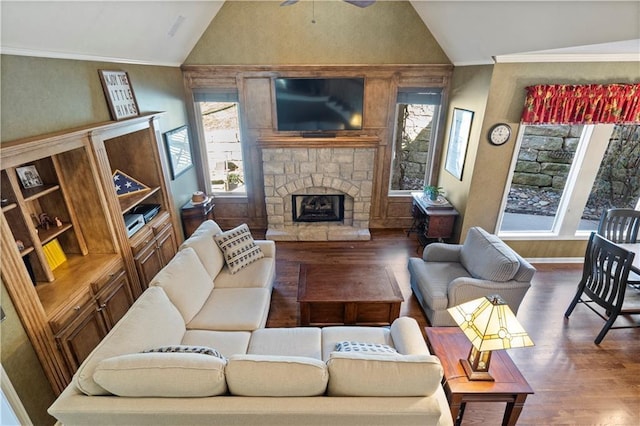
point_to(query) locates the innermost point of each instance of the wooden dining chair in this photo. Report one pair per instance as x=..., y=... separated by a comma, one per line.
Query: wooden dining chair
x=621, y=225
x=604, y=280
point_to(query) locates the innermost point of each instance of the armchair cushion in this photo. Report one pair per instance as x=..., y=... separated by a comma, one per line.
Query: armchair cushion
x=487, y=257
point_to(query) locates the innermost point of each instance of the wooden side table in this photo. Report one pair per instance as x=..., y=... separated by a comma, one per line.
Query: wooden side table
x=431, y=222
x=194, y=214
x=450, y=344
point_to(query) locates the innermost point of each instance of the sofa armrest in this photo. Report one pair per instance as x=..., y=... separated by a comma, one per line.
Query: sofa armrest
x=268, y=247
x=464, y=289
x=525, y=271
x=442, y=252
x=407, y=337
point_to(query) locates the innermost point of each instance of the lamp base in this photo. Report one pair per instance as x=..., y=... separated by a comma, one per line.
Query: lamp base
x=475, y=375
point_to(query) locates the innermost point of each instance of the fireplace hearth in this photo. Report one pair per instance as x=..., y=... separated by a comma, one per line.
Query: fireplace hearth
x=317, y=207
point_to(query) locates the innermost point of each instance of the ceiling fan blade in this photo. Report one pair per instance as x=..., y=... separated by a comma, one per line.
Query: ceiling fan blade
x=360, y=3
x=288, y=2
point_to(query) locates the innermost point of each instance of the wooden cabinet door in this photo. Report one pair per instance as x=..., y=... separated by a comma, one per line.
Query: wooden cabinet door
x=165, y=241
x=115, y=299
x=148, y=263
x=81, y=335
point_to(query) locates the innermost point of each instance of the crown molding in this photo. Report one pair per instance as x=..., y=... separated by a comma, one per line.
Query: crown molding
x=569, y=57
x=81, y=57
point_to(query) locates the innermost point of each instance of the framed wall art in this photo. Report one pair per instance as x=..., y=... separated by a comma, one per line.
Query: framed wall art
x=29, y=176
x=179, y=150
x=458, y=141
x=119, y=93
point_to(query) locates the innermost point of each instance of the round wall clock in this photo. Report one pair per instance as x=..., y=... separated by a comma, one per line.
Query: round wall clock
x=499, y=134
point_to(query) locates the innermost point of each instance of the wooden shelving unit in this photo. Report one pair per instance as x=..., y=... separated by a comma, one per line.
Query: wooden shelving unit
x=67, y=309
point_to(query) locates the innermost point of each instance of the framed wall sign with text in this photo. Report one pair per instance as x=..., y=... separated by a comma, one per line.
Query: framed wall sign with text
x=120, y=97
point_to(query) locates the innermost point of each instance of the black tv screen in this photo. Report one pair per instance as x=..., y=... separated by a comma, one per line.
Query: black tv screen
x=319, y=104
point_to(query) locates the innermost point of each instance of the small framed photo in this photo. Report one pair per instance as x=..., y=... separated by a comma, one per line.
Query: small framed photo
x=458, y=141
x=179, y=150
x=29, y=176
x=119, y=92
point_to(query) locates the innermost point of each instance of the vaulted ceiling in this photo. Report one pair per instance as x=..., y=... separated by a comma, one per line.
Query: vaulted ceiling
x=470, y=32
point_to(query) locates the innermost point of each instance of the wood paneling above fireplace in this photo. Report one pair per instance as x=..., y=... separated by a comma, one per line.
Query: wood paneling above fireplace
x=258, y=121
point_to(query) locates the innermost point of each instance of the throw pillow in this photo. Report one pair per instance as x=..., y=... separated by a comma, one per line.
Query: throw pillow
x=204, y=350
x=376, y=348
x=238, y=247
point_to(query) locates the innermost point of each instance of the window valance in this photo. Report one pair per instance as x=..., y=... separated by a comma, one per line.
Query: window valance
x=582, y=104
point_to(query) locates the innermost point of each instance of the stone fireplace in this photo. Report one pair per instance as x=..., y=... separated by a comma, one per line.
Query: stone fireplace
x=323, y=169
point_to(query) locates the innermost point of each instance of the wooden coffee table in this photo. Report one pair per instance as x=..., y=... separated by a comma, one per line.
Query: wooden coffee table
x=450, y=344
x=332, y=294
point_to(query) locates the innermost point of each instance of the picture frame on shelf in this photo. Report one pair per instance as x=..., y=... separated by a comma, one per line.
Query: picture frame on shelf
x=119, y=93
x=458, y=141
x=179, y=150
x=29, y=176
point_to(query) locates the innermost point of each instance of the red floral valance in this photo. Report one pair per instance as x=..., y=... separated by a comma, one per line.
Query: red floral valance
x=582, y=104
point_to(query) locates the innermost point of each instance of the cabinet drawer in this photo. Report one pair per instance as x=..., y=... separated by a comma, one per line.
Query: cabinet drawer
x=109, y=276
x=71, y=312
x=160, y=223
x=142, y=240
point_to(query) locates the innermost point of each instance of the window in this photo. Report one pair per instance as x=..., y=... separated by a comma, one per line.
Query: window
x=565, y=176
x=417, y=112
x=222, y=151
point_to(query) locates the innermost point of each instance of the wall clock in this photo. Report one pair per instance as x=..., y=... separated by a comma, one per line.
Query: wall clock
x=499, y=134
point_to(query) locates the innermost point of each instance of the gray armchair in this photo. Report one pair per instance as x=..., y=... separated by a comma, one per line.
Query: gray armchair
x=450, y=274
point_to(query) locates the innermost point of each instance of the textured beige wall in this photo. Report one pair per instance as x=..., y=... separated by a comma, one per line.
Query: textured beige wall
x=41, y=95
x=263, y=32
x=469, y=90
x=504, y=104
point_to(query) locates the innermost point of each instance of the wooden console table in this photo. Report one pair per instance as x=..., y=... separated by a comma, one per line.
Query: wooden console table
x=431, y=222
x=450, y=344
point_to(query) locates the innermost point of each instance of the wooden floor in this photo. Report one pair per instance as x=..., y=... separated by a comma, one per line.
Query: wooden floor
x=575, y=381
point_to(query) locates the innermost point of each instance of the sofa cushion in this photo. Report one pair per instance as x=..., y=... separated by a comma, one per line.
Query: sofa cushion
x=226, y=342
x=487, y=257
x=189, y=349
x=162, y=375
x=233, y=309
x=260, y=273
x=186, y=282
x=362, y=347
x=270, y=375
x=360, y=374
x=238, y=247
x=293, y=341
x=201, y=241
x=152, y=321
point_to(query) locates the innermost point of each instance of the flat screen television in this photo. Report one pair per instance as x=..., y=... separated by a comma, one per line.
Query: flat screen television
x=319, y=104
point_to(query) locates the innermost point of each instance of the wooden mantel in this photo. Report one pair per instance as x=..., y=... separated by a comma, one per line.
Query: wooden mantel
x=319, y=142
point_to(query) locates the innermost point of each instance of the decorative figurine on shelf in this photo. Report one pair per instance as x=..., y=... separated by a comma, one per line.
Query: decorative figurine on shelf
x=44, y=221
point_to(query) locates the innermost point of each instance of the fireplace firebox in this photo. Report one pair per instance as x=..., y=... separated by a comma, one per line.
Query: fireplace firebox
x=318, y=207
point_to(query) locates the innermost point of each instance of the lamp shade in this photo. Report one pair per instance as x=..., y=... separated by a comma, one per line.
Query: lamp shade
x=490, y=324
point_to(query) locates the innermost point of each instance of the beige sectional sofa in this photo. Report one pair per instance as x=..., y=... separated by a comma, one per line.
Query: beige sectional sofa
x=193, y=350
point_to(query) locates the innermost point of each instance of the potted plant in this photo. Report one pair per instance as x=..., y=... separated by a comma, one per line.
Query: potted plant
x=234, y=180
x=433, y=192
